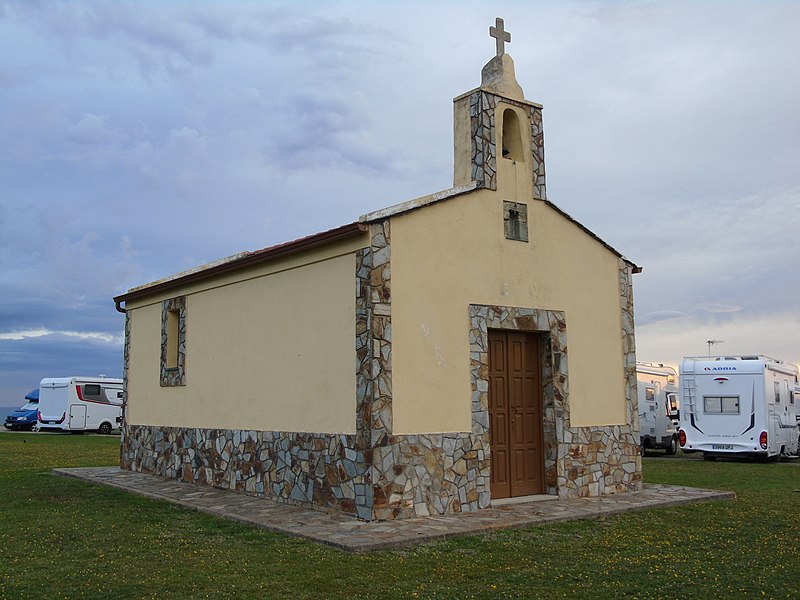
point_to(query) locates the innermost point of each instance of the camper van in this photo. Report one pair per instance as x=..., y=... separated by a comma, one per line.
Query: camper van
x=658, y=406
x=796, y=399
x=80, y=404
x=738, y=405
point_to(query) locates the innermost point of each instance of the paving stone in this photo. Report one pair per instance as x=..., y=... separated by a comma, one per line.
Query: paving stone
x=348, y=533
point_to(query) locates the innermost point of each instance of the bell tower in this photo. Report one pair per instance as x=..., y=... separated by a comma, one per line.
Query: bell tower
x=497, y=133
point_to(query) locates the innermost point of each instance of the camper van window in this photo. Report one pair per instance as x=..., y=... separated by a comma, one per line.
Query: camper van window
x=94, y=393
x=672, y=404
x=721, y=405
x=777, y=392
x=113, y=396
x=91, y=392
x=650, y=397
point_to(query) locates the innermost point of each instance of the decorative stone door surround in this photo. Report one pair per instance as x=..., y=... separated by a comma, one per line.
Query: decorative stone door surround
x=552, y=325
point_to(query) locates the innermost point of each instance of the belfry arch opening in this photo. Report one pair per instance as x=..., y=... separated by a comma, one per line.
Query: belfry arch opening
x=511, y=141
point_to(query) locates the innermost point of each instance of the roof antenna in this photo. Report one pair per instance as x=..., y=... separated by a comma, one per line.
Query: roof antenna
x=711, y=343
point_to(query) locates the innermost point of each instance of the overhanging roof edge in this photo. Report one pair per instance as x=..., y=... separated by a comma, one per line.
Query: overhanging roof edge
x=243, y=260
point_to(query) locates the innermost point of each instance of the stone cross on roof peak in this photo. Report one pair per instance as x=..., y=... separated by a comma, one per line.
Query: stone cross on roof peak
x=501, y=36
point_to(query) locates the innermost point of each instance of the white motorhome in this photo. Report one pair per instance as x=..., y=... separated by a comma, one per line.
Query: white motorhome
x=658, y=406
x=738, y=405
x=797, y=409
x=80, y=404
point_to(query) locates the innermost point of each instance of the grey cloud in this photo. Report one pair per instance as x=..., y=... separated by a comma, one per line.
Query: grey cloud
x=175, y=39
x=91, y=130
x=660, y=317
x=325, y=130
x=718, y=308
x=157, y=38
x=39, y=306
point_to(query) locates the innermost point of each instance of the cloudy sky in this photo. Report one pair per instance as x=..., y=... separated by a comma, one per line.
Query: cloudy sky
x=144, y=138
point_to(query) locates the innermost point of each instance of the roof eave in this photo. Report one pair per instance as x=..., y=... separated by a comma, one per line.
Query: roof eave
x=634, y=267
x=246, y=259
x=409, y=205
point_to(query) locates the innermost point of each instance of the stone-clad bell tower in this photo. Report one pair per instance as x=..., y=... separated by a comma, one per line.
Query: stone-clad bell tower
x=498, y=134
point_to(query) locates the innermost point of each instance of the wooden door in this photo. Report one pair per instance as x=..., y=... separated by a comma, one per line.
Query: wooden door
x=515, y=414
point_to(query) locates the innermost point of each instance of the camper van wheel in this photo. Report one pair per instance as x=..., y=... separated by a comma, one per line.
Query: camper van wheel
x=673, y=445
x=105, y=428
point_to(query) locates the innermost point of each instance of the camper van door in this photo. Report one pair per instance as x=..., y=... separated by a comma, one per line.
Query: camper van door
x=77, y=416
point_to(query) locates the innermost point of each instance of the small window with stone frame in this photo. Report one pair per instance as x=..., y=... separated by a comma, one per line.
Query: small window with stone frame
x=515, y=218
x=173, y=342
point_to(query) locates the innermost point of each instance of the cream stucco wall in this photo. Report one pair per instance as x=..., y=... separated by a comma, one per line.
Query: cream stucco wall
x=276, y=351
x=454, y=253
x=462, y=159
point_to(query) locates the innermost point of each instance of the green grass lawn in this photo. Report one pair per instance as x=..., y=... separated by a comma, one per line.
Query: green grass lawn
x=65, y=538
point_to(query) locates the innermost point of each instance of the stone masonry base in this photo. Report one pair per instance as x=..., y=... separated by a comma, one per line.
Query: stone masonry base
x=414, y=475
x=409, y=476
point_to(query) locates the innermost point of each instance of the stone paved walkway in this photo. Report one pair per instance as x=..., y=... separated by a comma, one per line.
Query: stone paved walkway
x=352, y=535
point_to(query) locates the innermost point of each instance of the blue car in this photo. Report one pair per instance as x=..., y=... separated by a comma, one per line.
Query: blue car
x=25, y=416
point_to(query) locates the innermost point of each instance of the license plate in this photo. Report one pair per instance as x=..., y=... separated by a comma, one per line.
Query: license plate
x=722, y=446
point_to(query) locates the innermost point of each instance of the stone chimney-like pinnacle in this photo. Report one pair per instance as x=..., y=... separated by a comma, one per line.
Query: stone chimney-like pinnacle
x=497, y=76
